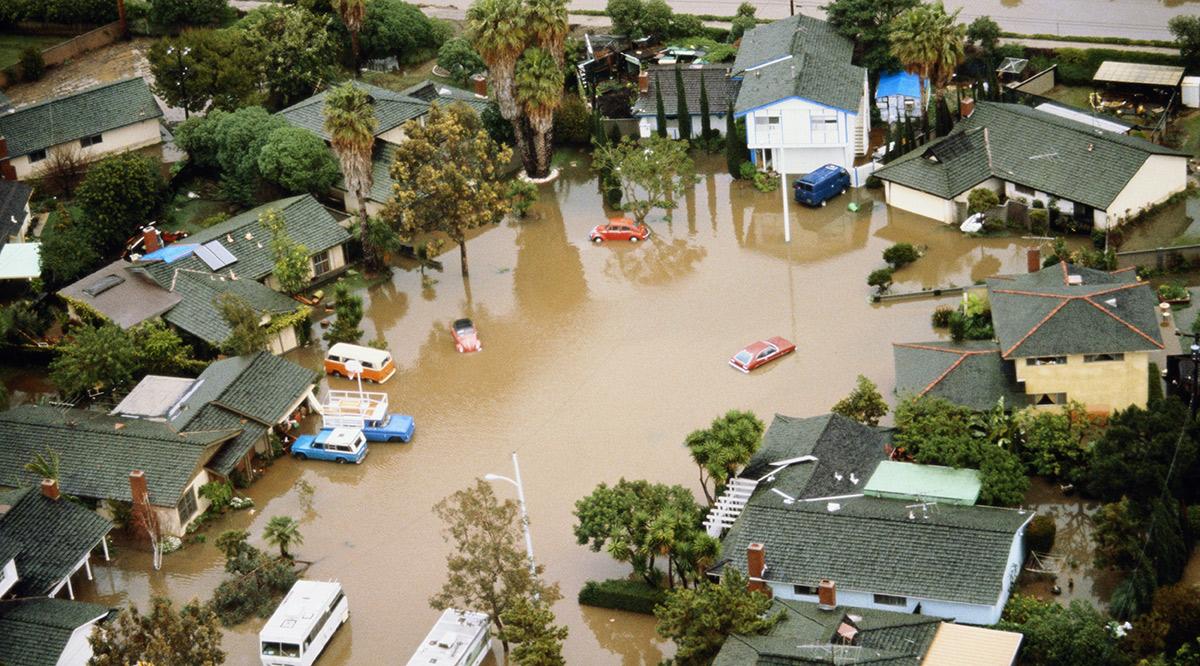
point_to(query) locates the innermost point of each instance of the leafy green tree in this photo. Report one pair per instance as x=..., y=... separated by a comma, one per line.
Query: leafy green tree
x=699, y=620
x=529, y=624
x=298, y=161
x=296, y=51
x=656, y=18
x=706, y=131
x=1056, y=443
x=864, y=404
x=683, y=116
x=448, y=178
x=159, y=349
x=1172, y=623
x=118, y=196
x=736, y=151
x=283, y=531
x=187, y=12
x=240, y=137
x=93, y=357
x=724, y=448
x=1186, y=31
x=743, y=21
x=929, y=43
x=164, y=636
x=1055, y=635
x=292, y=269
x=67, y=252
x=257, y=583
x=986, y=33
x=880, y=278
x=201, y=138
x=653, y=173
x=487, y=568
x=202, y=66
x=1138, y=449
x=458, y=57
x=246, y=334
x=394, y=28
x=660, y=113
x=867, y=23
x=900, y=255
x=499, y=129
x=625, y=16
x=348, y=308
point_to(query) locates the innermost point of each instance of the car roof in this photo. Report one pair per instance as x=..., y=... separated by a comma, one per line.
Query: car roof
x=345, y=349
x=756, y=347
x=463, y=323
x=623, y=221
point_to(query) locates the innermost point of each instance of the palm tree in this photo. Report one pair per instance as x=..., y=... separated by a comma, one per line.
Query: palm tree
x=497, y=30
x=350, y=121
x=283, y=531
x=539, y=86
x=929, y=42
x=353, y=12
x=546, y=21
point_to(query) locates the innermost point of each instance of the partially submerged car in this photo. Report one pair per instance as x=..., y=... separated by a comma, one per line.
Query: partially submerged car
x=761, y=353
x=466, y=339
x=618, y=229
x=394, y=428
x=341, y=445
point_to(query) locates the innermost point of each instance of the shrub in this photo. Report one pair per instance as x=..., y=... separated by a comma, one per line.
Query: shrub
x=764, y=182
x=32, y=65
x=523, y=195
x=1039, y=536
x=746, y=170
x=1172, y=291
x=880, y=278
x=1039, y=220
x=187, y=12
x=683, y=25
x=458, y=57
x=900, y=255
x=573, y=122
x=628, y=595
x=941, y=316
x=298, y=161
x=219, y=494
x=981, y=200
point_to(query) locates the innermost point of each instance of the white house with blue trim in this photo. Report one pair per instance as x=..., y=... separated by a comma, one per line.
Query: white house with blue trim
x=805, y=105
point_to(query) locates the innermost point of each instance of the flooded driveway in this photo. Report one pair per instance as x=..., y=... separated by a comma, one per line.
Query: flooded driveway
x=597, y=362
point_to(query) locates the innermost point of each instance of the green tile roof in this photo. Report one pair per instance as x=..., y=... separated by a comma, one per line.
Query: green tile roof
x=1029, y=147
x=52, y=536
x=910, y=481
x=197, y=311
x=818, y=69
x=36, y=631
x=791, y=36
x=392, y=109
x=69, y=118
x=382, y=158
x=806, y=634
x=717, y=85
x=950, y=553
x=840, y=445
x=970, y=373
x=1041, y=314
x=431, y=91
x=98, y=452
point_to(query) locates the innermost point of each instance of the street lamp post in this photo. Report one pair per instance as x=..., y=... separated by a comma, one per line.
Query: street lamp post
x=524, y=514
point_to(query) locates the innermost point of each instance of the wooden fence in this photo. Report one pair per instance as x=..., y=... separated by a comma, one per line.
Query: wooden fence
x=62, y=52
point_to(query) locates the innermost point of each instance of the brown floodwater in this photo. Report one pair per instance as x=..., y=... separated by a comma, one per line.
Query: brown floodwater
x=597, y=362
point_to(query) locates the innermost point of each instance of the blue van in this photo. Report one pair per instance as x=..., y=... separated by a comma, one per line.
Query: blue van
x=823, y=184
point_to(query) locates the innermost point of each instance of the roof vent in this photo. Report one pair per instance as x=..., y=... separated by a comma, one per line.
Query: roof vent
x=1074, y=280
x=1112, y=302
x=833, y=506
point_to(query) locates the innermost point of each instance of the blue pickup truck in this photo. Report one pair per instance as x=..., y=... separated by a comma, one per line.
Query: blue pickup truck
x=393, y=428
x=341, y=445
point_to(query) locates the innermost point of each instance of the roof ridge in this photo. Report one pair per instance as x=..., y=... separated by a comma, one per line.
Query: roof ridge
x=1130, y=326
x=1078, y=127
x=982, y=508
x=945, y=373
x=1036, y=326
x=77, y=93
x=961, y=352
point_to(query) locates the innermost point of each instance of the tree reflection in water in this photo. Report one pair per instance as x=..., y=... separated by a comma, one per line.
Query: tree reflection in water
x=655, y=261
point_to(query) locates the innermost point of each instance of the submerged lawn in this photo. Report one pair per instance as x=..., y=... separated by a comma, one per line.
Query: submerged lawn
x=12, y=45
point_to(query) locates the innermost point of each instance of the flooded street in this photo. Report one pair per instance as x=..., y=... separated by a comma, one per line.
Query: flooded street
x=597, y=362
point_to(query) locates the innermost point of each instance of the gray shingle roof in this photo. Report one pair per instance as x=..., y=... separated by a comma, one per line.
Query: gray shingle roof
x=1028, y=147
x=791, y=36
x=430, y=91
x=99, y=451
x=14, y=197
x=717, y=84
x=87, y=112
x=1040, y=314
x=840, y=445
x=132, y=301
x=52, y=537
x=970, y=373
x=392, y=109
x=956, y=553
x=198, y=313
x=36, y=631
x=806, y=634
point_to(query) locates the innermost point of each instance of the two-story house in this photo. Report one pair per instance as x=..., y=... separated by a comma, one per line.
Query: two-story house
x=1063, y=333
x=805, y=105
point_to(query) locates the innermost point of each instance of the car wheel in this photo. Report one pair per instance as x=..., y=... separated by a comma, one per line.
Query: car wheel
x=597, y=240
x=633, y=239
x=299, y=456
x=341, y=461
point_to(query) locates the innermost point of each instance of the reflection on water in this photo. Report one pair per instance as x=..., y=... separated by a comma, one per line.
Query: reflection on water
x=1078, y=579
x=597, y=362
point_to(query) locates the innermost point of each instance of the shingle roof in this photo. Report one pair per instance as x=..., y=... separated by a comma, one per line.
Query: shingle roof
x=868, y=544
x=14, y=197
x=717, y=85
x=430, y=91
x=1029, y=147
x=198, y=312
x=36, y=631
x=87, y=112
x=1041, y=314
x=52, y=537
x=98, y=452
x=791, y=36
x=841, y=447
x=392, y=109
x=132, y=299
x=970, y=373
x=806, y=635
x=382, y=158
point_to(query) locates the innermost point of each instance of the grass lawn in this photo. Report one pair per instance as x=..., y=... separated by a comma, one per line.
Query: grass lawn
x=407, y=76
x=1076, y=96
x=1188, y=126
x=11, y=45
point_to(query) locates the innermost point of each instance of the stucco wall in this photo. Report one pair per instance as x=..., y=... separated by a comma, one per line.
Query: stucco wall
x=1102, y=386
x=1159, y=178
x=647, y=125
x=921, y=203
x=124, y=139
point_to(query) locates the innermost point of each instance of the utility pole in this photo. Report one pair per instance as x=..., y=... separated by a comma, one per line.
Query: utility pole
x=792, y=7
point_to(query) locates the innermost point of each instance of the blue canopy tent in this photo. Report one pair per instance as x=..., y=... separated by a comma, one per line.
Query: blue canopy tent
x=896, y=94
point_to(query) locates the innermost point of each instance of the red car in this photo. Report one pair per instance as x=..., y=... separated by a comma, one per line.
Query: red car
x=620, y=229
x=761, y=353
x=465, y=338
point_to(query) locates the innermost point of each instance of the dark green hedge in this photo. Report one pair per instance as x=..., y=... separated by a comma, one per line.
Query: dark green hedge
x=1076, y=67
x=58, y=11
x=620, y=594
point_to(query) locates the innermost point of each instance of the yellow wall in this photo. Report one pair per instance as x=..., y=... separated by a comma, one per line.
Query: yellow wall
x=1103, y=386
x=120, y=140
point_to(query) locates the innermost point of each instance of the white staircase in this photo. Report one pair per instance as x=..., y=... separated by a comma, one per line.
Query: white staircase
x=729, y=505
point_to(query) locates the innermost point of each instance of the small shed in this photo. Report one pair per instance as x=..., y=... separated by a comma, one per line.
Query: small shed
x=20, y=261
x=897, y=95
x=1138, y=74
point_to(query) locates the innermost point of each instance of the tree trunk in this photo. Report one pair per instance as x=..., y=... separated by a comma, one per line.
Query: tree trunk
x=462, y=253
x=704, y=487
x=354, y=51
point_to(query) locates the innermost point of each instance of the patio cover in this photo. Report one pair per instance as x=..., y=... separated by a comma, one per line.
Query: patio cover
x=20, y=261
x=1111, y=71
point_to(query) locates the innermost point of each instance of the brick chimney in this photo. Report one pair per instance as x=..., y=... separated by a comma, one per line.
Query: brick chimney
x=50, y=489
x=644, y=81
x=479, y=85
x=150, y=239
x=756, y=566
x=1033, y=259
x=826, y=595
x=139, y=491
x=966, y=107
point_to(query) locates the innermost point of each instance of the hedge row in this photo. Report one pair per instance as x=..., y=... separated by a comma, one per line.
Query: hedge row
x=1122, y=41
x=58, y=11
x=1076, y=67
x=620, y=594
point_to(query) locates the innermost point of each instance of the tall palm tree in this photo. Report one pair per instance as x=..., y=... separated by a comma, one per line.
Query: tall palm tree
x=350, y=122
x=539, y=83
x=353, y=13
x=546, y=21
x=929, y=42
x=497, y=29
x=283, y=531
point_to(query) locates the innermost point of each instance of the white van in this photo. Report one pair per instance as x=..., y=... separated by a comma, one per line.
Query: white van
x=303, y=624
x=377, y=365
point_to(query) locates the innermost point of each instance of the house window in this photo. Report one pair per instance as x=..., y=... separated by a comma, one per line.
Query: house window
x=1047, y=360
x=37, y=156
x=187, y=505
x=804, y=589
x=1027, y=191
x=890, y=600
x=92, y=140
x=1101, y=358
x=321, y=263
x=1050, y=399
x=824, y=126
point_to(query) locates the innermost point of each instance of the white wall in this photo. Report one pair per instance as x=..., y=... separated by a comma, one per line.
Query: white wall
x=78, y=651
x=8, y=576
x=648, y=125
x=802, y=149
x=1159, y=178
x=921, y=203
x=120, y=140
x=960, y=612
x=394, y=136
x=1064, y=206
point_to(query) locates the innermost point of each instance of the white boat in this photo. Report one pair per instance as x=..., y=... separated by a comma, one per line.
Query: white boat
x=460, y=638
x=303, y=624
x=973, y=224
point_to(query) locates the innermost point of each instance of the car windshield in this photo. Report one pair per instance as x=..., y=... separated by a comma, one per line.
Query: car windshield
x=742, y=357
x=806, y=187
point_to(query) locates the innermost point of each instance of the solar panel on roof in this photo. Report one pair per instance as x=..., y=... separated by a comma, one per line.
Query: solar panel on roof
x=208, y=257
x=220, y=252
x=952, y=147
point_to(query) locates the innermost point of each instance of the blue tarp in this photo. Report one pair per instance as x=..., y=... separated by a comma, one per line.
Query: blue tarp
x=899, y=83
x=170, y=253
